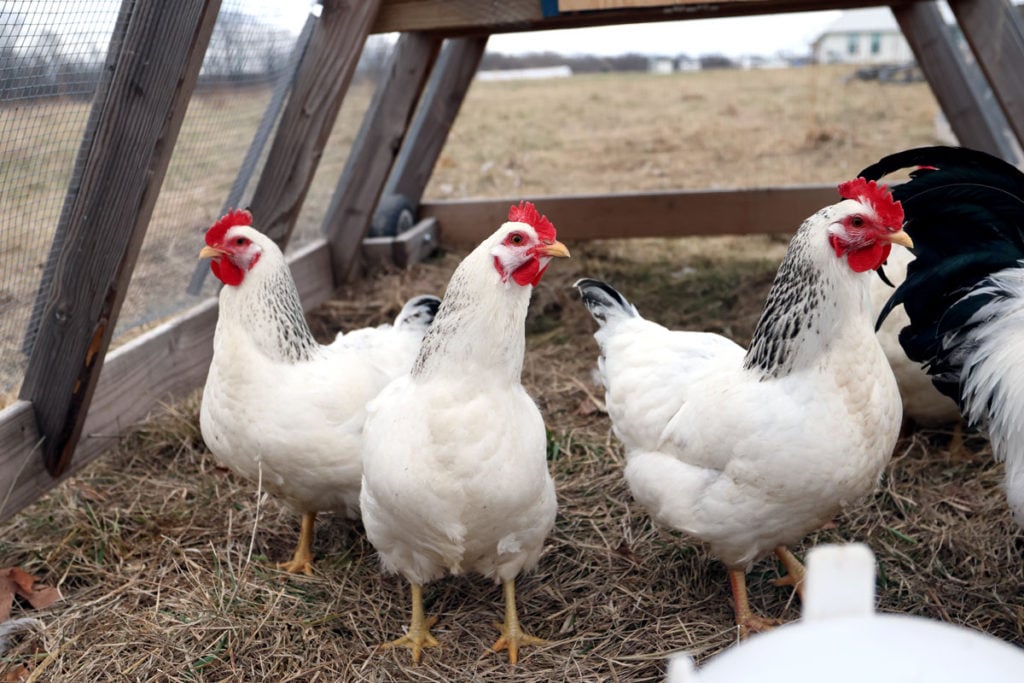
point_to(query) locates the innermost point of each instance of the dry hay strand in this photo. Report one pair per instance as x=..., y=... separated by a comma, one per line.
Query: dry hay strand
x=167, y=562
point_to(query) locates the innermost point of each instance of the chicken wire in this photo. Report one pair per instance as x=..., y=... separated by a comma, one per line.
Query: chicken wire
x=52, y=57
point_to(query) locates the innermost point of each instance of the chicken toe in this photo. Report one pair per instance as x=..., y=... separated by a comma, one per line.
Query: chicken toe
x=512, y=636
x=746, y=620
x=794, y=571
x=302, y=558
x=418, y=637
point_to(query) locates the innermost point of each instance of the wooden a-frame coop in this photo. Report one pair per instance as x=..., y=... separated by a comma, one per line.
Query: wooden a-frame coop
x=76, y=399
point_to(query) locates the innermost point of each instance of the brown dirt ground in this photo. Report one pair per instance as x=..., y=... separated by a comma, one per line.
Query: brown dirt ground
x=165, y=561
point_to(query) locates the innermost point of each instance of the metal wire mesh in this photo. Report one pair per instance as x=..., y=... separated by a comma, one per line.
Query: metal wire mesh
x=249, y=63
x=52, y=59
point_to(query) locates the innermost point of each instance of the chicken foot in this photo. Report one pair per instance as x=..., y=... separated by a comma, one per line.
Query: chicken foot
x=794, y=571
x=512, y=636
x=746, y=620
x=302, y=558
x=418, y=636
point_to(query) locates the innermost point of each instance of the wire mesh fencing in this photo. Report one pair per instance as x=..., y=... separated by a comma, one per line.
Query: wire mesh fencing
x=53, y=60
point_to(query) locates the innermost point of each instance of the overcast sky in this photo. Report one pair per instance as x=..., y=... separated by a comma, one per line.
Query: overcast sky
x=760, y=35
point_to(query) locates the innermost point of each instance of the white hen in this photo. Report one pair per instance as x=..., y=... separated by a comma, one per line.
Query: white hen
x=278, y=407
x=455, y=474
x=749, y=450
x=922, y=402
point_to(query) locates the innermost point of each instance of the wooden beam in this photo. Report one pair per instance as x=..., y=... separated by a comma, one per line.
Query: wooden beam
x=164, y=364
x=994, y=30
x=320, y=85
x=376, y=147
x=959, y=87
x=149, y=91
x=463, y=17
x=429, y=130
x=651, y=214
x=411, y=246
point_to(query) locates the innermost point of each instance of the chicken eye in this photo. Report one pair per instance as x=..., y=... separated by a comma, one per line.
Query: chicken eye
x=516, y=238
x=857, y=222
x=240, y=241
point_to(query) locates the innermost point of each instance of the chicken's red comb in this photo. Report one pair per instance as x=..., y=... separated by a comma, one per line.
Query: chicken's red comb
x=527, y=213
x=890, y=212
x=229, y=220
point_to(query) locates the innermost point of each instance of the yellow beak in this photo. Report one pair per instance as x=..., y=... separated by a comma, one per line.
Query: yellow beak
x=556, y=249
x=210, y=252
x=901, y=238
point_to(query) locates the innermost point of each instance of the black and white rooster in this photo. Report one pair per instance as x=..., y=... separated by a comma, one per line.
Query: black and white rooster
x=964, y=293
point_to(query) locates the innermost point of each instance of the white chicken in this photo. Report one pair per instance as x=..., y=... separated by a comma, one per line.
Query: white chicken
x=278, y=407
x=750, y=450
x=923, y=404
x=455, y=475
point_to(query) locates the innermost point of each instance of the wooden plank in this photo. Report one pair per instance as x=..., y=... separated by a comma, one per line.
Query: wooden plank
x=429, y=130
x=166, y=363
x=589, y=5
x=376, y=147
x=958, y=86
x=410, y=247
x=994, y=30
x=651, y=214
x=149, y=91
x=320, y=85
x=462, y=17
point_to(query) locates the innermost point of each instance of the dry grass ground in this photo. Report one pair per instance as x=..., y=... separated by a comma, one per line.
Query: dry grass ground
x=166, y=562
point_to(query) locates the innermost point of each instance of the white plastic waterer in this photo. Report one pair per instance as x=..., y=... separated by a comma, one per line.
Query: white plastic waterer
x=841, y=639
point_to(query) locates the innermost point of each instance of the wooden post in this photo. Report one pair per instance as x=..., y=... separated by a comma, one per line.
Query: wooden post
x=320, y=85
x=445, y=91
x=959, y=87
x=375, y=148
x=994, y=30
x=149, y=92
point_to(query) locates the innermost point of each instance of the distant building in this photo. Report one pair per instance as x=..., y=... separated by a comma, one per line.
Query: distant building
x=525, y=74
x=661, y=65
x=863, y=36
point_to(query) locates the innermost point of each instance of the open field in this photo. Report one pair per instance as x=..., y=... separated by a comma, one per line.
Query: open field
x=587, y=134
x=165, y=561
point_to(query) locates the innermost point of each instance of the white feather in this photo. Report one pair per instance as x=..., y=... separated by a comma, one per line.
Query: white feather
x=741, y=458
x=299, y=421
x=993, y=377
x=455, y=459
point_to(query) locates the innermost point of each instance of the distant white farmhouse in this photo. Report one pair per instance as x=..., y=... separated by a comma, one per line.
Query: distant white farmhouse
x=863, y=36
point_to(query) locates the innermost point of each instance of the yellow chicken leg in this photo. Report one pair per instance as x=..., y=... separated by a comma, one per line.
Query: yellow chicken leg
x=794, y=571
x=302, y=558
x=745, y=618
x=418, y=637
x=512, y=637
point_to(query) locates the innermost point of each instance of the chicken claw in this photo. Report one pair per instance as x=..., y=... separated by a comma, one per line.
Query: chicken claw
x=302, y=558
x=418, y=637
x=512, y=636
x=794, y=571
x=746, y=620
